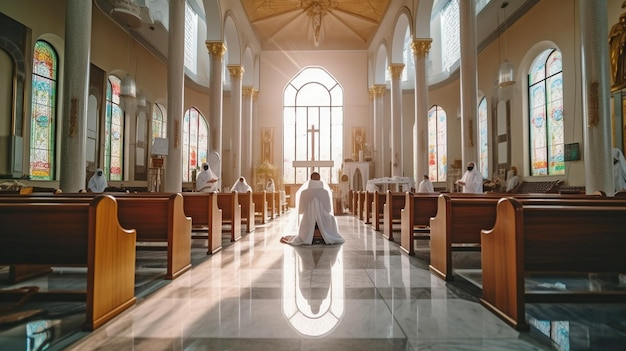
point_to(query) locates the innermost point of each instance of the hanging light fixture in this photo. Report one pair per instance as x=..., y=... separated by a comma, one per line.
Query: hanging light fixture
x=505, y=73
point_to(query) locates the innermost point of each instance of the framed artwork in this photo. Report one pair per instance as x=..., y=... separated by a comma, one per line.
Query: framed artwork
x=358, y=143
x=267, y=145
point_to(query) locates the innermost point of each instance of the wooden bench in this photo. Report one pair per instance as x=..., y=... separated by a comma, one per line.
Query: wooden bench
x=540, y=238
x=205, y=214
x=360, y=203
x=157, y=217
x=231, y=213
x=460, y=218
x=368, y=202
x=247, y=210
x=284, y=203
x=378, y=207
x=415, y=219
x=273, y=204
x=394, y=203
x=75, y=234
x=261, y=206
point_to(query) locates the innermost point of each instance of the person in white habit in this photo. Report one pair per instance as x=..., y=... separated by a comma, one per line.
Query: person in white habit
x=206, y=181
x=241, y=186
x=270, y=187
x=97, y=182
x=313, y=201
x=472, y=180
x=426, y=186
x=619, y=170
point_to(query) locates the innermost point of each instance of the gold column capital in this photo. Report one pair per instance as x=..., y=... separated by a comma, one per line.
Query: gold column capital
x=247, y=90
x=216, y=48
x=396, y=70
x=421, y=46
x=236, y=71
x=379, y=89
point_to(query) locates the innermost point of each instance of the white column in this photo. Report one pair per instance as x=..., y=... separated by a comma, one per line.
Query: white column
x=396, y=119
x=75, y=93
x=469, y=81
x=216, y=51
x=175, y=96
x=380, y=133
x=596, y=97
x=420, y=47
x=246, y=133
x=236, y=75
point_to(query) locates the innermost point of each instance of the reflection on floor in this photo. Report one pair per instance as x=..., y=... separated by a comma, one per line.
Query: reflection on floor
x=258, y=294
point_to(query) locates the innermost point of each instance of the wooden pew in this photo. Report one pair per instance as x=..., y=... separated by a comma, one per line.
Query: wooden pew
x=205, y=214
x=247, y=210
x=548, y=238
x=394, y=203
x=378, y=207
x=75, y=234
x=351, y=196
x=260, y=206
x=284, y=204
x=415, y=219
x=231, y=213
x=273, y=204
x=367, y=207
x=156, y=217
x=360, y=203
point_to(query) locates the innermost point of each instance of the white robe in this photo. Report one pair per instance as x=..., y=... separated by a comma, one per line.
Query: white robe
x=426, y=186
x=619, y=170
x=241, y=187
x=473, y=182
x=314, y=204
x=97, y=184
x=202, y=181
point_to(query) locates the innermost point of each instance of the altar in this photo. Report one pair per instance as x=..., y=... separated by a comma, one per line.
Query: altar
x=358, y=174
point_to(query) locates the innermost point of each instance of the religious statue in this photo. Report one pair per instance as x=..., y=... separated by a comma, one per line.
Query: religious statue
x=617, y=40
x=267, y=140
x=358, y=143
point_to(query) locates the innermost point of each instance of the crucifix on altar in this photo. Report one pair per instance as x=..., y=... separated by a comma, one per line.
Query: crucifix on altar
x=313, y=163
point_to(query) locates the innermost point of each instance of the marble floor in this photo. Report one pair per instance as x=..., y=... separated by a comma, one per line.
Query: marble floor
x=259, y=294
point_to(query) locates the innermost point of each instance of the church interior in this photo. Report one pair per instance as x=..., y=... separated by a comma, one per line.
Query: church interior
x=369, y=94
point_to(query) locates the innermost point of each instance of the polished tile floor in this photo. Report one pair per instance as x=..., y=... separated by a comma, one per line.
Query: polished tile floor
x=259, y=294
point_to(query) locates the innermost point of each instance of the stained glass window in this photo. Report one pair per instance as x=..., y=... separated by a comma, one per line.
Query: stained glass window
x=483, y=139
x=159, y=124
x=43, y=117
x=437, y=144
x=312, y=124
x=545, y=95
x=114, y=132
x=195, y=142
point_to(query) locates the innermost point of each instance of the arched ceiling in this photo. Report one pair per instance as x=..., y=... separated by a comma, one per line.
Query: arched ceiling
x=315, y=24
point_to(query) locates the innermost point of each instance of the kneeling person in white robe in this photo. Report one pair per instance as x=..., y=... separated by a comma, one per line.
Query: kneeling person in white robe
x=314, y=204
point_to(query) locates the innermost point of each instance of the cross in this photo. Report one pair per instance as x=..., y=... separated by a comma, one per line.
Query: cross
x=313, y=131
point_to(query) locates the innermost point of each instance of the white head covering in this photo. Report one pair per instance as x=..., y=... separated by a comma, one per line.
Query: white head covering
x=313, y=184
x=473, y=180
x=241, y=186
x=270, y=185
x=619, y=170
x=203, y=177
x=97, y=183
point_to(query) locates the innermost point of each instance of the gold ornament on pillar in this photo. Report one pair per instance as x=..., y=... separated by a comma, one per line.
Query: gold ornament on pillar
x=267, y=145
x=396, y=70
x=421, y=47
x=216, y=49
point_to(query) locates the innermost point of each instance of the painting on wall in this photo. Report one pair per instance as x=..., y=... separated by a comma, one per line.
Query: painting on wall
x=358, y=143
x=267, y=145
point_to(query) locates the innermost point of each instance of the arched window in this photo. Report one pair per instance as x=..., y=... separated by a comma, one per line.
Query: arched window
x=195, y=142
x=43, y=118
x=159, y=124
x=545, y=95
x=114, y=132
x=312, y=124
x=437, y=144
x=483, y=139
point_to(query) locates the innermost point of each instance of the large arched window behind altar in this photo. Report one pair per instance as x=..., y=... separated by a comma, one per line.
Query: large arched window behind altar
x=43, y=117
x=437, y=144
x=114, y=131
x=545, y=120
x=159, y=123
x=312, y=125
x=195, y=142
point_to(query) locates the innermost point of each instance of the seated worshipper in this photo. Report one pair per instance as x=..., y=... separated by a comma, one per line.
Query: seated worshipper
x=315, y=210
x=97, y=182
x=370, y=187
x=472, y=180
x=206, y=181
x=426, y=186
x=512, y=179
x=241, y=186
x=619, y=170
x=270, y=187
